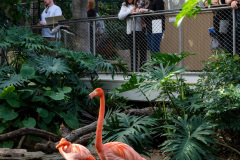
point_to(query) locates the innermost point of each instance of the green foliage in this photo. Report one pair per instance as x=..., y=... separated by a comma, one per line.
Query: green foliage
x=14, y=11
x=167, y=59
x=189, y=139
x=188, y=9
x=129, y=129
x=42, y=91
x=20, y=41
x=220, y=87
x=7, y=144
x=109, y=8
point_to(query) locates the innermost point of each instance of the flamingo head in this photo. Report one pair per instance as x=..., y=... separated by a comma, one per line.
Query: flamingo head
x=98, y=92
x=63, y=142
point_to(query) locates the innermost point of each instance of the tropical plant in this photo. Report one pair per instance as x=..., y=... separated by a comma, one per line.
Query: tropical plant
x=180, y=100
x=189, y=139
x=220, y=88
x=14, y=11
x=129, y=129
x=43, y=90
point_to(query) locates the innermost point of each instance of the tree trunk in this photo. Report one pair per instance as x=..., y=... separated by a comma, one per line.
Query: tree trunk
x=80, y=42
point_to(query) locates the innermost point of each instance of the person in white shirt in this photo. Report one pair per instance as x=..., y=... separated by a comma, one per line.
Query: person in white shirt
x=141, y=42
x=50, y=11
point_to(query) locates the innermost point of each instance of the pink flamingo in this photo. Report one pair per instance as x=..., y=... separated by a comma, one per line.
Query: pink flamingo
x=73, y=151
x=111, y=150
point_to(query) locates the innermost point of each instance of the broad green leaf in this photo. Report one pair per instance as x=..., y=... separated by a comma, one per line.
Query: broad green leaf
x=39, y=98
x=13, y=100
x=31, y=84
x=6, y=92
x=42, y=112
x=42, y=125
x=48, y=119
x=70, y=120
x=67, y=89
x=2, y=128
x=8, y=114
x=55, y=95
x=30, y=122
x=47, y=88
x=27, y=72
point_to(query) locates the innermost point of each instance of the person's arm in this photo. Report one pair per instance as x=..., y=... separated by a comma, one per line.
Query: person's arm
x=142, y=10
x=228, y=2
x=134, y=10
x=232, y=3
x=124, y=12
x=213, y=2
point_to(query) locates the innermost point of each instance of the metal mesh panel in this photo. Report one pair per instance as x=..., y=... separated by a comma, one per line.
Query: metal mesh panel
x=131, y=45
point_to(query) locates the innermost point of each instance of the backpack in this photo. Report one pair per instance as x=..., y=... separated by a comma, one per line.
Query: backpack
x=100, y=26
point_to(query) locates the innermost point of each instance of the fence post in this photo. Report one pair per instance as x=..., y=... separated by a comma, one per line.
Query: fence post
x=234, y=31
x=180, y=41
x=65, y=40
x=94, y=37
x=134, y=44
x=89, y=36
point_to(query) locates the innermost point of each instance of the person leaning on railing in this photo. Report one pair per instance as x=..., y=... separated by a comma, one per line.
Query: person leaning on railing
x=222, y=23
x=235, y=5
x=140, y=38
x=155, y=25
x=50, y=11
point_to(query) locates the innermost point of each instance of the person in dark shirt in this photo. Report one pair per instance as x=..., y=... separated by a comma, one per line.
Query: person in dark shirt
x=235, y=5
x=155, y=25
x=91, y=12
x=222, y=23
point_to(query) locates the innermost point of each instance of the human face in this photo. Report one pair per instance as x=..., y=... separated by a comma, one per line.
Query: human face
x=130, y=1
x=47, y=2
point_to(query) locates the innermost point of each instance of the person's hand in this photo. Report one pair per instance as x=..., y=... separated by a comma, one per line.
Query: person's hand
x=41, y=23
x=142, y=10
x=234, y=5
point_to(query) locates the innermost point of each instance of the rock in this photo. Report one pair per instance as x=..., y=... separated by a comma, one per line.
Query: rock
x=54, y=156
x=7, y=152
x=34, y=155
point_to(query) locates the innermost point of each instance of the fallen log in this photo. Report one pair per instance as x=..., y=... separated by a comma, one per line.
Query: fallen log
x=79, y=136
x=74, y=135
x=50, y=147
x=141, y=112
x=29, y=131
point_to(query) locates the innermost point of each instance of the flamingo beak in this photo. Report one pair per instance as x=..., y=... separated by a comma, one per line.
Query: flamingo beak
x=59, y=145
x=91, y=95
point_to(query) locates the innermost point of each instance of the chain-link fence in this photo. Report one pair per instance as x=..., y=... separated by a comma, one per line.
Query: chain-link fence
x=131, y=41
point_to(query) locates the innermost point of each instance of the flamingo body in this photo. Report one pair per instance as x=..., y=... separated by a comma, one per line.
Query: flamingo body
x=73, y=151
x=119, y=151
x=111, y=150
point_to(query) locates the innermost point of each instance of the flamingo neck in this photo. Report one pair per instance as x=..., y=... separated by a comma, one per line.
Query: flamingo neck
x=98, y=141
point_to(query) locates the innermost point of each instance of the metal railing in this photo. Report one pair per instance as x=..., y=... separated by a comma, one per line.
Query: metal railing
x=192, y=36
